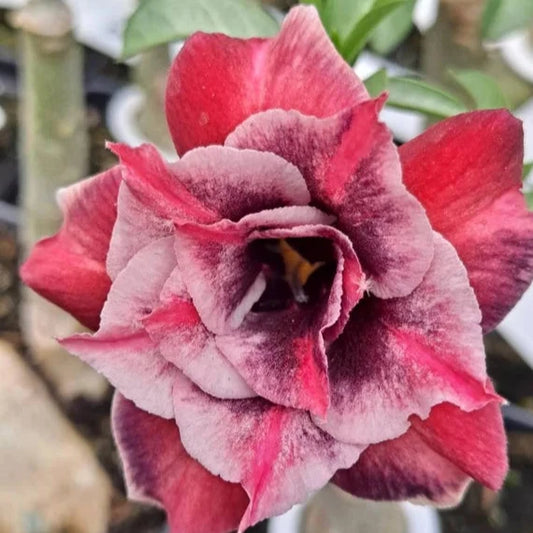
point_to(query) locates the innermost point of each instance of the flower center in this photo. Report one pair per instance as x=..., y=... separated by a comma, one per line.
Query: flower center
x=298, y=271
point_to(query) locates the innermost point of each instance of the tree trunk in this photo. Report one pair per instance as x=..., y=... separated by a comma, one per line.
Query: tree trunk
x=53, y=153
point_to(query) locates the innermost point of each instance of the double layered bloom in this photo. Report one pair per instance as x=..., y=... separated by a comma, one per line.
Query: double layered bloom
x=295, y=300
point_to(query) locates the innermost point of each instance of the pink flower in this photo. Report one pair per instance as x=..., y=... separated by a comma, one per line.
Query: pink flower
x=295, y=300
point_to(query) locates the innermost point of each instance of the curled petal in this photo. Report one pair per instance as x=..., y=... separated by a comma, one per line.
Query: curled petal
x=299, y=69
x=69, y=268
x=277, y=454
x=235, y=183
x=184, y=341
x=352, y=170
x=402, y=356
x=159, y=470
x=467, y=173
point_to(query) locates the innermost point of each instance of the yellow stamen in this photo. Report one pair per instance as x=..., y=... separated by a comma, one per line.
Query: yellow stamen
x=298, y=269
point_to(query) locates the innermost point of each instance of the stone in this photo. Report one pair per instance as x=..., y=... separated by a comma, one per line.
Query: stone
x=50, y=480
x=42, y=323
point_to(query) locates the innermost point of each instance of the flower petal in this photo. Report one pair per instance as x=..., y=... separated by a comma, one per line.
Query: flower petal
x=277, y=454
x=288, y=365
x=184, y=341
x=234, y=183
x=121, y=349
x=467, y=172
x=402, y=356
x=159, y=470
x=435, y=459
x=155, y=184
x=474, y=441
x=216, y=82
x=352, y=169
x=69, y=268
x=135, y=227
x=405, y=468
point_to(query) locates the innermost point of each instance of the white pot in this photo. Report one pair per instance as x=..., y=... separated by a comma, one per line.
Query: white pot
x=419, y=519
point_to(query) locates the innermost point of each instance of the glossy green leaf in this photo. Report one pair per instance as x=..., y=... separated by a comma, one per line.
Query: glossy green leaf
x=482, y=89
x=157, y=22
x=377, y=83
x=393, y=29
x=503, y=16
x=340, y=16
x=362, y=31
x=416, y=95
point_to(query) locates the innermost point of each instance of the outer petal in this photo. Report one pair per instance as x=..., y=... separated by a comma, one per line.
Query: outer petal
x=159, y=470
x=216, y=82
x=435, y=459
x=352, y=169
x=467, y=172
x=405, y=468
x=281, y=354
x=475, y=441
x=69, y=268
x=277, y=454
x=121, y=349
x=402, y=356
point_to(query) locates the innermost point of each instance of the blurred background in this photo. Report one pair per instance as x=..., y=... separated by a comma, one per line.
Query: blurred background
x=76, y=73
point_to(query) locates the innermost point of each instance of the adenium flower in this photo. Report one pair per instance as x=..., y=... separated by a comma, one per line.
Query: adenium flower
x=295, y=301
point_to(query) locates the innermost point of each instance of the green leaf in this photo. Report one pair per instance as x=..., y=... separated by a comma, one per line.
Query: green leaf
x=481, y=87
x=393, y=29
x=377, y=83
x=503, y=16
x=362, y=31
x=529, y=199
x=157, y=22
x=340, y=16
x=528, y=167
x=415, y=95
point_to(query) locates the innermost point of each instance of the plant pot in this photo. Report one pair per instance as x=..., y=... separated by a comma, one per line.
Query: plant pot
x=334, y=511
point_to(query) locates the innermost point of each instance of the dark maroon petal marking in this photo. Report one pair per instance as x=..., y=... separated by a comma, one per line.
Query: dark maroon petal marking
x=69, y=268
x=277, y=454
x=467, y=172
x=121, y=349
x=352, y=169
x=159, y=470
x=299, y=69
x=220, y=276
x=402, y=356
